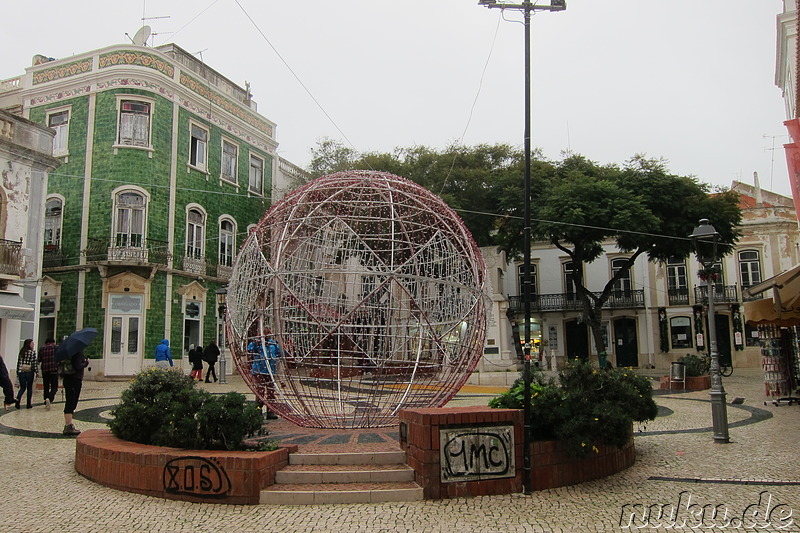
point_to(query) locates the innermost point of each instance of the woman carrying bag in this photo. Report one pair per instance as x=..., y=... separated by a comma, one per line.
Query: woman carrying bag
x=26, y=372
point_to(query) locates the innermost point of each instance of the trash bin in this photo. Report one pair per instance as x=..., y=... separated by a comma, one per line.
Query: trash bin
x=677, y=374
x=602, y=358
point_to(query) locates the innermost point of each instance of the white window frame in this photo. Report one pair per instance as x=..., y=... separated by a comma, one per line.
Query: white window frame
x=195, y=243
x=748, y=270
x=534, y=271
x=260, y=191
x=623, y=285
x=54, y=241
x=116, y=231
x=136, y=99
x=227, y=242
x=61, y=139
x=194, y=161
x=231, y=175
x=677, y=272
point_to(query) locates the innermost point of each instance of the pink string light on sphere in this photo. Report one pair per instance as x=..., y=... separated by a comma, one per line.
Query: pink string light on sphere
x=372, y=287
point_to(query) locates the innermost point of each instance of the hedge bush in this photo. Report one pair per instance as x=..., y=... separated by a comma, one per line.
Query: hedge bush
x=586, y=407
x=164, y=408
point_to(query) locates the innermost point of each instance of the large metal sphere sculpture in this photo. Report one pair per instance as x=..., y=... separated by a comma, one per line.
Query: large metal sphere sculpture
x=372, y=287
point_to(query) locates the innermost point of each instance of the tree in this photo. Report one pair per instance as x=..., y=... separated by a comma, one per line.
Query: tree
x=481, y=183
x=641, y=208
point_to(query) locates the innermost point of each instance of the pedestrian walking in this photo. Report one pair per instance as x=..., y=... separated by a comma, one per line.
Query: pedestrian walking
x=8, y=387
x=72, y=377
x=26, y=372
x=163, y=357
x=196, y=359
x=49, y=369
x=211, y=356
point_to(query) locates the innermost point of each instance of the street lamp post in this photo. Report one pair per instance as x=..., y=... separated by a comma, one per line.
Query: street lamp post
x=705, y=239
x=222, y=294
x=526, y=7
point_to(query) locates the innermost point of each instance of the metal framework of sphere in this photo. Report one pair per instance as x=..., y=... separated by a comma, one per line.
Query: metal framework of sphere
x=373, y=288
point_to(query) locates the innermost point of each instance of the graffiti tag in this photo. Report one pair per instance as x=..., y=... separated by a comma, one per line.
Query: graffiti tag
x=472, y=454
x=197, y=476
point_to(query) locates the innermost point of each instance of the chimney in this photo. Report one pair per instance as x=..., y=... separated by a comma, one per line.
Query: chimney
x=759, y=197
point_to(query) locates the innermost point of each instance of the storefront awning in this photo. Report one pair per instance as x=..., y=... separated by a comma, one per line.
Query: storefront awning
x=13, y=307
x=783, y=308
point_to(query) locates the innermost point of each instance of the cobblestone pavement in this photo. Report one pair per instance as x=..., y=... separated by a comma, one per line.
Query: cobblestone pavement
x=676, y=461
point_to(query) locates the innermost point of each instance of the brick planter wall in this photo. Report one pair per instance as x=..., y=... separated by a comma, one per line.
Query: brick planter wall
x=692, y=383
x=189, y=475
x=421, y=445
x=550, y=466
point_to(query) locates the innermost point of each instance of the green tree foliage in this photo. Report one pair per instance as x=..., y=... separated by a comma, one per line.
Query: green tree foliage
x=641, y=208
x=578, y=206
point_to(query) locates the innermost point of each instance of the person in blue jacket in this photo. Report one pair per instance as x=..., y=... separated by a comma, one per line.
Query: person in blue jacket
x=163, y=357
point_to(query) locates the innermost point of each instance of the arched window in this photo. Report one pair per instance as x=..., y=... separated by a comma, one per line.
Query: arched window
x=195, y=232
x=53, y=212
x=227, y=242
x=129, y=219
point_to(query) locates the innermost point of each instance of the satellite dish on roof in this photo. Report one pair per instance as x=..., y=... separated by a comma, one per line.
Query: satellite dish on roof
x=140, y=39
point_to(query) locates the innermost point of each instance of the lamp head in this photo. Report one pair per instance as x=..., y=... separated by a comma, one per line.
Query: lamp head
x=705, y=238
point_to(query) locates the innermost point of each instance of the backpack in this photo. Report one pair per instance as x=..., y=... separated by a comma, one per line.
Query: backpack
x=65, y=367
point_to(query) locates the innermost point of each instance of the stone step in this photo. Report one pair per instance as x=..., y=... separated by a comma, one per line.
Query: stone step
x=371, y=458
x=314, y=473
x=328, y=493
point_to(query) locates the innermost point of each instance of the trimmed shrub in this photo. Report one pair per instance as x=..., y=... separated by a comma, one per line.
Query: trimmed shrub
x=586, y=407
x=695, y=366
x=163, y=408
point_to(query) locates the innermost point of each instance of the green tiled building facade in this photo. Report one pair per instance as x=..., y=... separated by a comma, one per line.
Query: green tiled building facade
x=166, y=165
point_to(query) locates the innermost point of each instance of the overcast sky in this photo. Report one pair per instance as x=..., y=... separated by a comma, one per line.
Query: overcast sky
x=692, y=81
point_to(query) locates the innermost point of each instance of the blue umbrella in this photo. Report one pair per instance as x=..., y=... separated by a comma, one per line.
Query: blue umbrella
x=75, y=343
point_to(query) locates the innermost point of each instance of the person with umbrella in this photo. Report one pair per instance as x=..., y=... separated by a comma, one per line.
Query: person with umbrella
x=71, y=363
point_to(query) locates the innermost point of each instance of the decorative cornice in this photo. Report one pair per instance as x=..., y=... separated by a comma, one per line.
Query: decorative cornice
x=61, y=95
x=203, y=90
x=136, y=83
x=63, y=71
x=136, y=57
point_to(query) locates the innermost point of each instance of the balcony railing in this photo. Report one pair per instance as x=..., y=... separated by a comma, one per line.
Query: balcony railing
x=632, y=299
x=748, y=298
x=722, y=294
x=152, y=251
x=52, y=256
x=10, y=257
x=678, y=296
x=195, y=265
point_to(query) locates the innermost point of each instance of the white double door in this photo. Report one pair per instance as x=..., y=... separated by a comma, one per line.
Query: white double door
x=124, y=336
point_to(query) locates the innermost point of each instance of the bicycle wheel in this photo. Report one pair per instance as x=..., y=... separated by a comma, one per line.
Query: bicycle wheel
x=726, y=371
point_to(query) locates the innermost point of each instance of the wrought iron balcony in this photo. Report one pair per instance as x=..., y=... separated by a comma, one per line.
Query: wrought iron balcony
x=11, y=258
x=631, y=299
x=678, y=296
x=748, y=298
x=52, y=256
x=722, y=294
x=151, y=251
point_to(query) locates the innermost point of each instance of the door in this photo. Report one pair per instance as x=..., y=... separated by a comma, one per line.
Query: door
x=577, y=340
x=124, y=353
x=723, y=328
x=123, y=350
x=625, y=343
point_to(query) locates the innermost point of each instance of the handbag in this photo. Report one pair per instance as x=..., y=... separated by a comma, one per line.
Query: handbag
x=25, y=368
